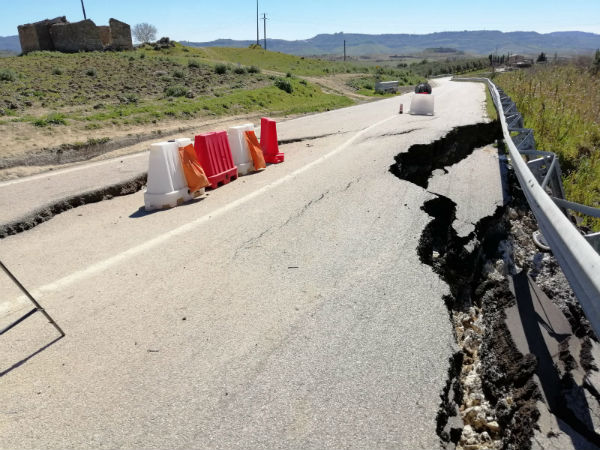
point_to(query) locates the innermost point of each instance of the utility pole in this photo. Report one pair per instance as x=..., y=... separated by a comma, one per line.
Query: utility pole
x=83, y=7
x=344, y=50
x=264, y=18
x=257, y=38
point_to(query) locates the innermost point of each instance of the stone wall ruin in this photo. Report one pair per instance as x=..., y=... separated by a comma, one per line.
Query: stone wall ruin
x=36, y=36
x=64, y=36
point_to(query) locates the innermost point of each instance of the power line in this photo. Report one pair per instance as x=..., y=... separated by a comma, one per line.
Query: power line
x=257, y=37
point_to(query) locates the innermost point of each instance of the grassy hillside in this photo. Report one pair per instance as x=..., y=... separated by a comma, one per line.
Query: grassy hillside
x=50, y=100
x=99, y=89
x=562, y=105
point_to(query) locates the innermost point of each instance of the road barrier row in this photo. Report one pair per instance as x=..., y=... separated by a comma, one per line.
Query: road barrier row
x=540, y=179
x=179, y=170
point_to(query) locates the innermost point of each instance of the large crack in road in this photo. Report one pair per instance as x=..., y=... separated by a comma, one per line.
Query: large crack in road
x=494, y=391
x=489, y=398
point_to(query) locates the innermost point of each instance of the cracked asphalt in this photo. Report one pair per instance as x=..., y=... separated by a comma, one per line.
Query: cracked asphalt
x=288, y=309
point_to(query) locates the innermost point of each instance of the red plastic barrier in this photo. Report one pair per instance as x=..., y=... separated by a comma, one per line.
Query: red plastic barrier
x=268, y=141
x=214, y=155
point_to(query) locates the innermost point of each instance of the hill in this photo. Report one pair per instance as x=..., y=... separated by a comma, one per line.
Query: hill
x=476, y=42
x=10, y=44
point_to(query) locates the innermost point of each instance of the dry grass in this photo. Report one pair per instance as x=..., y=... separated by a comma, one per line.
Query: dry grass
x=562, y=105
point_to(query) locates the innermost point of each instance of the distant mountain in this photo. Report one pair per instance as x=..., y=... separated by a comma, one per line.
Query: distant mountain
x=477, y=42
x=10, y=44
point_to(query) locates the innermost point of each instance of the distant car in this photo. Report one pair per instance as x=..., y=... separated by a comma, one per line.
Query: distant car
x=423, y=88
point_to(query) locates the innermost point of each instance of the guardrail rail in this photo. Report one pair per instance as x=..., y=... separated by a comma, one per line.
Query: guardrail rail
x=540, y=179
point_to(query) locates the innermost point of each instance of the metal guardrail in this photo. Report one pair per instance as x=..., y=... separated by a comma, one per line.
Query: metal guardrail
x=540, y=179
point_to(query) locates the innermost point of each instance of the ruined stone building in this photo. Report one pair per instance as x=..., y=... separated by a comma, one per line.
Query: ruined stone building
x=63, y=36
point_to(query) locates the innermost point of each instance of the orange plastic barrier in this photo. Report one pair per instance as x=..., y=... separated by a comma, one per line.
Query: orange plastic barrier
x=268, y=141
x=194, y=175
x=214, y=155
x=255, y=151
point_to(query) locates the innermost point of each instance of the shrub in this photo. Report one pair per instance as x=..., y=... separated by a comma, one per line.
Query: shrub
x=221, y=69
x=57, y=71
x=193, y=64
x=91, y=72
x=284, y=85
x=56, y=119
x=176, y=91
x=304, y=82
x=253, y=69
x=142, y=55
x=7, y=75
x=240, y=70
x=178, y=74
x=288, y=75
x=129, y=98
x=50, y=119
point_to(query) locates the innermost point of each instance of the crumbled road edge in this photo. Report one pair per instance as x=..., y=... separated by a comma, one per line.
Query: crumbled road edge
x=491, y=396
x=48, y=211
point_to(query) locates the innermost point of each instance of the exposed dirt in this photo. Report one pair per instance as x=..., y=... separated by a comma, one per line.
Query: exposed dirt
x=336, y=84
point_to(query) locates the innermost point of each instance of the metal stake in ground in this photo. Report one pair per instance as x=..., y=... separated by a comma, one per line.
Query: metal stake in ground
x=37, y=308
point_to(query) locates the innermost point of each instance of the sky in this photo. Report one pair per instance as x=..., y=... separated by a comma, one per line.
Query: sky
x=201, y=21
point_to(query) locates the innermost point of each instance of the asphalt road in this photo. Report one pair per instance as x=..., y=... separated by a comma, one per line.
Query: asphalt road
x=288, y=309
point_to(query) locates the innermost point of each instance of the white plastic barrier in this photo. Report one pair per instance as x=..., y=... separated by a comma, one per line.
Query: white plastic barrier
x=166, y=186
x=422, y=104
x=239, y=148
x=184, y=142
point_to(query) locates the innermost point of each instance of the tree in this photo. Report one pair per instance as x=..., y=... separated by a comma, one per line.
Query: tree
x=542, y=57
x=144, y=32
x=596, y=63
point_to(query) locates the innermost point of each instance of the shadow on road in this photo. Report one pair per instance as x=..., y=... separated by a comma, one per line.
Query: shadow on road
x=24, y=360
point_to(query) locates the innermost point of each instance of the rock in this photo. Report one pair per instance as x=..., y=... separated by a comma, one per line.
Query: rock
x=493, y=426
x=475, y=400
x=471, y=342
x=485, y=437
x=475, y=416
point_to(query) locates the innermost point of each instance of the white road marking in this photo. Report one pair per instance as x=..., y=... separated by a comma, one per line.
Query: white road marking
x=70, y=169
x=133, y=251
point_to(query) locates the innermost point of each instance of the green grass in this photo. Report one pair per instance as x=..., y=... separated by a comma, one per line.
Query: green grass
x=303, y=98
x=50, y=119
x=275, y=61
x=103, y=88
x=489, y=105
x=562, y=105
